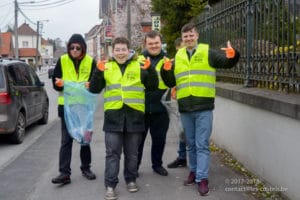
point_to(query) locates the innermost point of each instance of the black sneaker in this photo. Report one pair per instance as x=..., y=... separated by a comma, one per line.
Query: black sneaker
x=88, y=174
x=161, y=171
x=61, y=179
x=177, y=163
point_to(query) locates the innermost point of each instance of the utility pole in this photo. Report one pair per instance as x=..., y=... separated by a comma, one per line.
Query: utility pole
x=37, y=44
x=129, y=21
x=16, y=31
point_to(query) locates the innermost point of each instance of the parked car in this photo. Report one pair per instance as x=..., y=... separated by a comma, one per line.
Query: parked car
x=50, y=71
x=23, y=99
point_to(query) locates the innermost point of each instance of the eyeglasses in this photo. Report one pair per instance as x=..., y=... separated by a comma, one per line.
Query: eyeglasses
x=120, y=50
x=75, y=47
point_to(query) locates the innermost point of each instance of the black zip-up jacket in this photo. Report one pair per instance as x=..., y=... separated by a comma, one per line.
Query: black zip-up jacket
x=216, y=59
x=124, y=119
x=153, y=97
x=57, y=73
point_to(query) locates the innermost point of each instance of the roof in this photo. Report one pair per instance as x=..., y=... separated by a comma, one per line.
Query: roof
x=28, y=52
x=44, y=42
x=25, y=29
x=93, y=31
x=6, y=44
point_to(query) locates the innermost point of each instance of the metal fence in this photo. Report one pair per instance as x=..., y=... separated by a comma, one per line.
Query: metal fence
x=267, y=34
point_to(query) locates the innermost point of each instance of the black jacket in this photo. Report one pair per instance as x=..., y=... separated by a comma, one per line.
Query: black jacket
x=124, y=119
x=153, y=97
x=216, y=59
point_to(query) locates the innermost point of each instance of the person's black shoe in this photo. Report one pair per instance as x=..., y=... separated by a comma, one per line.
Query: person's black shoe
x=88, y=174
x=177, y=163
x=161, y=171
x=61, y=179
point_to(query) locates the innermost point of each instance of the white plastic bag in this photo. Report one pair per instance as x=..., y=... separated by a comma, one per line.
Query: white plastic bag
x=174, y=115
x=79, y=109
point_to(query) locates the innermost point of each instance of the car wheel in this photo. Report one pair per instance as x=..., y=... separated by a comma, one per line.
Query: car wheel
x=18, y=135
x=44, y=119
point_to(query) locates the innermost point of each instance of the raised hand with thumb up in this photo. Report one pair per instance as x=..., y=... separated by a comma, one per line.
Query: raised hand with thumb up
x=167, y=64
x=147, y=63
x=229, y=51
x=101, y=65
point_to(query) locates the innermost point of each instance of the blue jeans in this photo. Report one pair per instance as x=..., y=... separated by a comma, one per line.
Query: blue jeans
x=114, y=143
x=198, y=126
x=181, y=150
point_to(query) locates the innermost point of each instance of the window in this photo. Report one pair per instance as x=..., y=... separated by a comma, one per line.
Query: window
x=25, y=44
x=33, y=76
x=20, y=75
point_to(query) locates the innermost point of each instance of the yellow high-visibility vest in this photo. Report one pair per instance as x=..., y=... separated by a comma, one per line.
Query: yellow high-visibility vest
x=161, y=84
x=123, y=89
x=195, y=76
x=69, y=73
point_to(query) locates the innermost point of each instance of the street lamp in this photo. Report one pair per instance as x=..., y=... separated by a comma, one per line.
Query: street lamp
x=16, y=26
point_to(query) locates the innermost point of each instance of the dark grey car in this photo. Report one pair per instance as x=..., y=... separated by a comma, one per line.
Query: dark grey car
x=23, y=99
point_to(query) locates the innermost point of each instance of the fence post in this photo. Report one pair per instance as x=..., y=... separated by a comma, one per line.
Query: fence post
x=249, y=36
x=207, y=24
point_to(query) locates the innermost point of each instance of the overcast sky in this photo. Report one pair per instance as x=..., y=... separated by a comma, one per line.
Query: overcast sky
x=77, y=16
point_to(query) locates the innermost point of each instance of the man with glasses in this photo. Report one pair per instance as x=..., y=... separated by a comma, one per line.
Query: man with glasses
x=75, y=66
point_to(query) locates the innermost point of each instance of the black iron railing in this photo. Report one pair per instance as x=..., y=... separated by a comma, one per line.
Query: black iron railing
x=267, y=34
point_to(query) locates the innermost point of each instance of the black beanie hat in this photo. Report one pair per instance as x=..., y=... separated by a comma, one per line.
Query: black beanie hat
x=77, y=38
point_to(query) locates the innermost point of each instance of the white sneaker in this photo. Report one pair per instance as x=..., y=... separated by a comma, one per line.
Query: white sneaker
x=132, y=187
x=110, y=194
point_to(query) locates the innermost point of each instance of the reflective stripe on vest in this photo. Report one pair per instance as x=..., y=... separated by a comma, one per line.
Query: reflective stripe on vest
x=69, y=73
x=123, y=89
x=195, y=76
x=161, y=84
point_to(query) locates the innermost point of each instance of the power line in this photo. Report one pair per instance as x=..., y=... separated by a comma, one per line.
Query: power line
x=60, y=2
x=26, y=17
x=40, y=8
x=3, y=5
x=7, y=14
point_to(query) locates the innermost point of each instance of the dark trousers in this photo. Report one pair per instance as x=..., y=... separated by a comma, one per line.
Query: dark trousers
x=65, y=152
x=158, y=125
x=114, y=143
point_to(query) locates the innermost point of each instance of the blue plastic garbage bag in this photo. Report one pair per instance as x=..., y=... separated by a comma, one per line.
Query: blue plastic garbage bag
x=79, y=108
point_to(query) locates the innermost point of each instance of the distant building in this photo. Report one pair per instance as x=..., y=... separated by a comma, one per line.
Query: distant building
x=6, y=45
x=47, y=57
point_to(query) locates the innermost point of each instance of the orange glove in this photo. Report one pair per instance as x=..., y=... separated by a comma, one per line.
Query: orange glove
x=147, y=64
x=230, y=52
x=167, y=64
x=87, y=85
x=101, y=65
x=173, y=93
x=59, y=82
